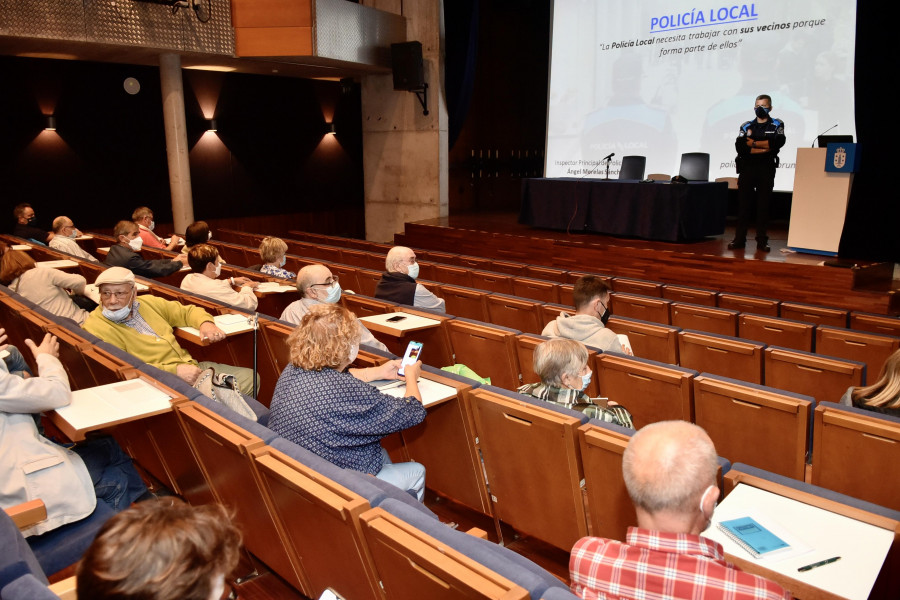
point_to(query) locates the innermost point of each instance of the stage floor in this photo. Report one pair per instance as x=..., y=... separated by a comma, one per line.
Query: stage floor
x=782, y=273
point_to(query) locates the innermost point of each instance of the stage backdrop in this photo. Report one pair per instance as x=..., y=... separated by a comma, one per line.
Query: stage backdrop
x=662, y=77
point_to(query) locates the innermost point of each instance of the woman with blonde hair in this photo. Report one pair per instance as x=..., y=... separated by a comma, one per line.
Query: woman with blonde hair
x=334, y=413
x=882, y=396
x=272, y=251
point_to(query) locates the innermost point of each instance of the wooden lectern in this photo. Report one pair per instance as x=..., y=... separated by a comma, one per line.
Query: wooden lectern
x=819, y=205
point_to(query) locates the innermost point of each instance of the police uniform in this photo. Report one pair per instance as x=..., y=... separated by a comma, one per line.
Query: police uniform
x=756, y=176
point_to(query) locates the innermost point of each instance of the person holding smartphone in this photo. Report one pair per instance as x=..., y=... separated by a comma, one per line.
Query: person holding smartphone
x=333, y=412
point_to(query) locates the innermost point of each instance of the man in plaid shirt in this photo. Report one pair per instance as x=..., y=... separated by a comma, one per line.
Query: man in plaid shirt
x=670, y=472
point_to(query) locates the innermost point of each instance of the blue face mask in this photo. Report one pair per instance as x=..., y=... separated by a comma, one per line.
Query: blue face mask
x=334, y=294
x=118, y=315
x=283, y=261
x=586, y=380
x=413, y=270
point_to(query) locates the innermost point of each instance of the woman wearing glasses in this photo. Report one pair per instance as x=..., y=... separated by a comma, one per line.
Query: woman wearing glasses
x=317, y=285
x=48, y=288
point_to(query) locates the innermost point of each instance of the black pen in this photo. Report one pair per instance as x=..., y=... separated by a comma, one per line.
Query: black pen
x=827, y=561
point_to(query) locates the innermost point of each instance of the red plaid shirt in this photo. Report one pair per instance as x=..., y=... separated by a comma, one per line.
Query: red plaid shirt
x=653, y=565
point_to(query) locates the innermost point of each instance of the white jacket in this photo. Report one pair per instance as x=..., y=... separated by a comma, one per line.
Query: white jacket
x=586, y=329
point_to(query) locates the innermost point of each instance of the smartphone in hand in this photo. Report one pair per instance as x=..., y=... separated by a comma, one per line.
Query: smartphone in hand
x=413, y=350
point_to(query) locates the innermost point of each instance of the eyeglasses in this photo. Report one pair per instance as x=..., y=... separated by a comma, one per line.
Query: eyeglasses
x=329, y=282
x=118, y=295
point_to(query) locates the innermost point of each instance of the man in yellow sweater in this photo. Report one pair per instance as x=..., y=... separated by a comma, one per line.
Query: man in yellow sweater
x=144, y=328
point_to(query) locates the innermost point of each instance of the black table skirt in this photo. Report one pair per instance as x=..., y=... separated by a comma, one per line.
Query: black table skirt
x=652, y=211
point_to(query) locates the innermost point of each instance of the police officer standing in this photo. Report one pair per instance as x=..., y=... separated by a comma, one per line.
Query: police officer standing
x=757, y=145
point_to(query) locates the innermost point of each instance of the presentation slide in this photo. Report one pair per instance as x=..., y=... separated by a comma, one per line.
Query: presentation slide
x=658, y=78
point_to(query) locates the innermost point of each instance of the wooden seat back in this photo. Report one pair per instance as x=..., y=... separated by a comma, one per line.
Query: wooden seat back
x=653, y=341
x=650, y=391
x=722, y=321
x=610, y=509
x=870, y=348
x=489, y=351
x=644, y=308
x=729, y=357
x=825, y=378
x=776, y=331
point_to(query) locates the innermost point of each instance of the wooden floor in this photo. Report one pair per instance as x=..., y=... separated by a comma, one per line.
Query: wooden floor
x=781, y=273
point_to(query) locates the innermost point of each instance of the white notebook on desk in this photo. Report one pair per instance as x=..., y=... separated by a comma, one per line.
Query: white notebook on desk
x=431, y=391
x=230, y=324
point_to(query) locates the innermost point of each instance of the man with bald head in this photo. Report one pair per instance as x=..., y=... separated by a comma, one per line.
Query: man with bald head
x=398, y=282
x=670, y=472
x=64, y=236
x=317, y=285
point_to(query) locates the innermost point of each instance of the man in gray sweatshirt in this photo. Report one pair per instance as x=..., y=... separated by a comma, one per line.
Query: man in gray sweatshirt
x=588, y=324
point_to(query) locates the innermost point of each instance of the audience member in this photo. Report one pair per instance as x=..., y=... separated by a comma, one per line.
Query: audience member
x=317, y=285
x=25, y=228
x=163, y=550
x=45, y=287
x=562, y=366
x=336, y=414
x=588, y=324
x=272, y=251
x=65, y=232
x=144, y=328
x=196, y=233
x=398, y=282
x=143, y=216
x=70, y=482
x=883, y=396
x=204, y=279
x=125, y=253
x=670, y=472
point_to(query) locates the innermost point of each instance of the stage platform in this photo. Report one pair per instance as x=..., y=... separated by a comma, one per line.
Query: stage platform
x=863, y=286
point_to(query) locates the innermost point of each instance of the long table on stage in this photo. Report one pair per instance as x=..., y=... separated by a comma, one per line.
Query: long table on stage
x=653, y=211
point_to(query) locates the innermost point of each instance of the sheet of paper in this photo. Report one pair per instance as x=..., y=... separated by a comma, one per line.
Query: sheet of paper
x=230, y=324
x=22, y=247
x=274, y=286
x=56, y=264
x=862, y=547
x=406, y=321
x=113, y=402
x=431, y=391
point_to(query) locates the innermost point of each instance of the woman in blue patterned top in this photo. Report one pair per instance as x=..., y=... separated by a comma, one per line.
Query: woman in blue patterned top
x=272, y=251
x=335, y=413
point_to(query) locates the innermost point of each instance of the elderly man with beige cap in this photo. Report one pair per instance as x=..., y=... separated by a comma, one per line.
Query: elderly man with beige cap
x=144, y=328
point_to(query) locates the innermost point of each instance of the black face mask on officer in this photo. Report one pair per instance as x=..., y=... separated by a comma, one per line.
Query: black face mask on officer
x=762, y=112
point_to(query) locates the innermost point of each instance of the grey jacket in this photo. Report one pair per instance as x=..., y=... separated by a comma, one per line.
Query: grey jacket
x=584, y=328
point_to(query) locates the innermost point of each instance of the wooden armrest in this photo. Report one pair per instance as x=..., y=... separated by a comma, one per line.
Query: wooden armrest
x=479, y=533
x=65, y=589
x=27, y=514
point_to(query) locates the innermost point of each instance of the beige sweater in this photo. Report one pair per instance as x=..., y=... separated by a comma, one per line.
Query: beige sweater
x=47, y=288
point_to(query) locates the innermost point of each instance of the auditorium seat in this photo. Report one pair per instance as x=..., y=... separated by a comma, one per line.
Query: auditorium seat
x=348, y=278
x=474, y=262
x=547, y=273
x=525, y=345
x=648, y=340
x=776, y=331
x=825, y=378
x=530, y=444
x=366, y=280
x=722, y=321
x=535, y=289
x=749, y=304
x=410, y=564
x=70, y=355
x=870, y=348
x=883, y=324
x=754, y=424
x=492, y=281
x=567, y=294
x=105, y=367
x=366, y=306
x=637, y=286
x=438, y=352
x=510, y=268
x=21, y=575
x=223, y=450
x=516, y=312
x=727, y=356
x=610, y=510
x=549, y=312
x=820, y=315
x=855, y=452
x=633, y=168
x=679, y=293
x=319, y=518
x=643, y=308
x=489, y=350
x=469, y=303
x=450, y=274
x=574, y=276
x=694, y=166
x=650, y=390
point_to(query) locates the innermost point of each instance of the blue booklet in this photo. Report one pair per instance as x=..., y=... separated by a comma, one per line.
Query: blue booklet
x=752, y=537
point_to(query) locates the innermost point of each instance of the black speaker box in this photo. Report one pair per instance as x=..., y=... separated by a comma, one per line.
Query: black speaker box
x=406, y=62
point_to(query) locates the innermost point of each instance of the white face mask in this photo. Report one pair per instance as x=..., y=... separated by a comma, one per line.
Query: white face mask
x=283, y=261
x=586, y=380
x=354, y=352
x=334, y=294
x=118, y=315
x=218, y=269
x=152, y=225
x=208, y=235
x=136, y=243
x=413, y=270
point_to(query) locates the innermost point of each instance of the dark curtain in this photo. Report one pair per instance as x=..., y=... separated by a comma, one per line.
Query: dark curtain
x=461, y=29
x=873, y=214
